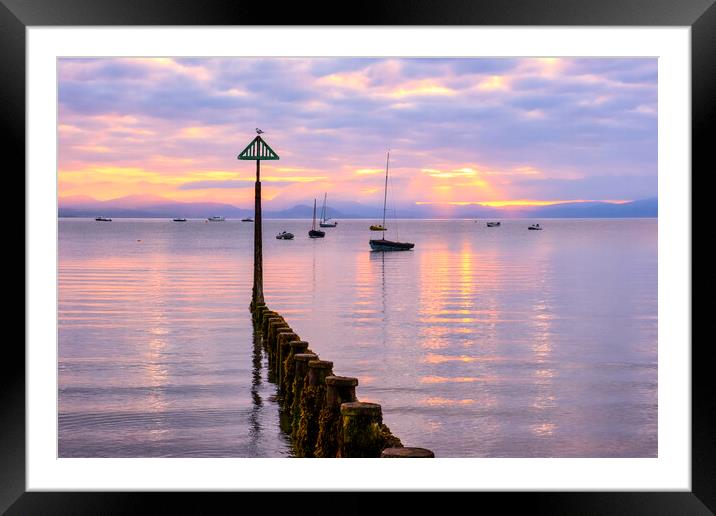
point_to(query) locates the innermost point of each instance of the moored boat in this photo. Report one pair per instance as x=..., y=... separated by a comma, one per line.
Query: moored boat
x=388, y=245
x=284, y=235
x=381, y=244
x=535, y=227
x=216, y=218
x=103, y=219
x=324, y=221
x=179, y=219
x=313, y=232
x=247, y=219
x=493, y=224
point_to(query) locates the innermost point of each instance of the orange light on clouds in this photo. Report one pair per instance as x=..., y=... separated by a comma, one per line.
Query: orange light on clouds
x=335, y=122
x=421, y=88
x=494, y=83
x=351, y=80
x=463, y=172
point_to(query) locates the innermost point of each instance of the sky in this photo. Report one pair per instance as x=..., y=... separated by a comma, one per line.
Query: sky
x=490, y=131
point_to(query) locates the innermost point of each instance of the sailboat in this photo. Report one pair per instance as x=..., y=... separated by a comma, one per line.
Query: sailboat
x=324, y=221
x=315, y=233
x=382, y=244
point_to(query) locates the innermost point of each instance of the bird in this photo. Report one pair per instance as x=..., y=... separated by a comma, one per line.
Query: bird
x=259, y=131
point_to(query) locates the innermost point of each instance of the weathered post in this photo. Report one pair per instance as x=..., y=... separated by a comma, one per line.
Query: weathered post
x=363, y=433
x=339, y=389
x=299, y=379
x=257, y=151
x=258, y=288
x=283, y=346
x=407, y=453
x=289, y=372
x=269, y=317
x=267, y=314
x=312, y=401
x=275, y=327
x=258, y=311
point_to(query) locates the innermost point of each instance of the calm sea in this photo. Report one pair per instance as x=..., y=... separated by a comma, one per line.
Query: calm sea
x=481, y=342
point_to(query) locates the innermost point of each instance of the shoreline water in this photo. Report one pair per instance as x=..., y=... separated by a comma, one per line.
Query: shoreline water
x=484, y=342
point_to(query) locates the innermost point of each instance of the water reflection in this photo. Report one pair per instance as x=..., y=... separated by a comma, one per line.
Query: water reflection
x=257, y=401
x=378, y=257
x=544, y=374
x=478, y=342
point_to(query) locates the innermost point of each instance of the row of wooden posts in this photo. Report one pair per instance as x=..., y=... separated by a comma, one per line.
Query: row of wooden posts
x=320, y=410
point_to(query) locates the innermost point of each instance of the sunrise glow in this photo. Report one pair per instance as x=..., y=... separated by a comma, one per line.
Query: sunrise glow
x=490, y=132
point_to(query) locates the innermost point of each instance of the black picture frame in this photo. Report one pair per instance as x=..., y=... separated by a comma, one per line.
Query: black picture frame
x=16, y=15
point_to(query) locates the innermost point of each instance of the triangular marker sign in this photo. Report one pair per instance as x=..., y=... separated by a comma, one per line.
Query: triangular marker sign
x=258, y=150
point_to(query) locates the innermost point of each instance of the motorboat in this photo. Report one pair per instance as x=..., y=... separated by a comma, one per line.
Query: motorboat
x=179, y=219
x=284, y=235
x=247, y=219
x=535, y=227
x=493, y=224
x=103, y=219
x=216, y=218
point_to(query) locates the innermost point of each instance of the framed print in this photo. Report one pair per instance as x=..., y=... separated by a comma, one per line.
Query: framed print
x=530, y=161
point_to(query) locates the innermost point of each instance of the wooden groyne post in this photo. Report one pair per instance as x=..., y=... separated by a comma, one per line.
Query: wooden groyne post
x=258, y=150
x=320, y=410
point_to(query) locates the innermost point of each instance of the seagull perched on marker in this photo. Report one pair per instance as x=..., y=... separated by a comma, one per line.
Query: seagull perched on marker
x=259, y=131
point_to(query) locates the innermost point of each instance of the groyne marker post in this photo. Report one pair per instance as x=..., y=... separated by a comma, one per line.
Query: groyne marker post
x=258, y=150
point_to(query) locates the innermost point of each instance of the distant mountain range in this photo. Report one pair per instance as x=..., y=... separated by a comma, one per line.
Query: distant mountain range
x=159, y=207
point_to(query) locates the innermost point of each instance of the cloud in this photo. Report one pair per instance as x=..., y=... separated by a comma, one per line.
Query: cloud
x=586, y=125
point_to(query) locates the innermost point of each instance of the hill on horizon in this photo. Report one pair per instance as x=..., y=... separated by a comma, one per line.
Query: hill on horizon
x=158, y=207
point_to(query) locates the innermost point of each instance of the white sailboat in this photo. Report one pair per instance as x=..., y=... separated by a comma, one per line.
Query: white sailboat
x=324, y=221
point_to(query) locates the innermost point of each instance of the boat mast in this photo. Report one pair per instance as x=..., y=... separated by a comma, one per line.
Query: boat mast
x=313, y=227
x=323, y=211
x=385, y=196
